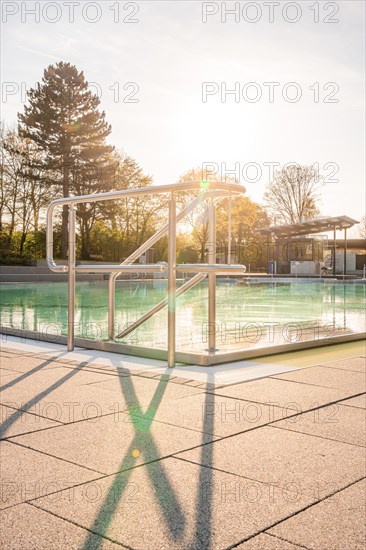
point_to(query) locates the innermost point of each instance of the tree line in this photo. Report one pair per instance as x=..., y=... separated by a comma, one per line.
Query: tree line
x=60, y=148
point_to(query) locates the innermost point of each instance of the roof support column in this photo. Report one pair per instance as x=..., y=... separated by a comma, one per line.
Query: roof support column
x=334, y=250
x=345, y=253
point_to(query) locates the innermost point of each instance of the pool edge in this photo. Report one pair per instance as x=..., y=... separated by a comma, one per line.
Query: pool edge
x=189, y=358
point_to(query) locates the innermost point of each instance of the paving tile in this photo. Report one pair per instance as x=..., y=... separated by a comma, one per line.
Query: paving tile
x=359, y=401
x=144, y=374
x=177, y=380
x=298, y=462
x=27, y=474
x=60, y=394
x=15, y=422
x=110, y=443
x=4, y=372
x=267, y=542
x=26, y=363
x=145, y=388
x=217, y=415
x=67, y=395
x=194, y=383
x=284, y=394
x=25, y=527
x=4, y=353
x=28, y=384
x=285, y=469
x=337, y=523
x=357, y=364
x=172, y=504
x=330, y=378
x=82, y=355
x=7, y=375
x=346, y=424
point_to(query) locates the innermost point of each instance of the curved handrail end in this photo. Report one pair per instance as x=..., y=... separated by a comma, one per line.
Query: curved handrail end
x=56, y=268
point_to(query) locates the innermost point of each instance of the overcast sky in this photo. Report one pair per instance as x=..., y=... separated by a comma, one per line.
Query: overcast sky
x=169, y=52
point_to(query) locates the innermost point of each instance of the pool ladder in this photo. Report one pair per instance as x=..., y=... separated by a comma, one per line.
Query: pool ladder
x=206, y=192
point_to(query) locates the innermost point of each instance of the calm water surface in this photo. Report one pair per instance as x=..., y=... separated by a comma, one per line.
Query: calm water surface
x=248, y=315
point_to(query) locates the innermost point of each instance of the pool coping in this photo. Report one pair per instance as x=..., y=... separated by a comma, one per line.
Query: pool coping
x=200, y=377
x=189, y=358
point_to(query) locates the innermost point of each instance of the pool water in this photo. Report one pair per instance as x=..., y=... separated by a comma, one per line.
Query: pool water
x=248, y=314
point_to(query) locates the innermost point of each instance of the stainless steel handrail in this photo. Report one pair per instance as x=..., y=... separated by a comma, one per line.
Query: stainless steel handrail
x=141, y=250
x=135, y=268
x=201, y=271
x=125, y=193
x=161, y=305
x=211, y=259
x=208, y=191
x=219, y=269
x=148, y=244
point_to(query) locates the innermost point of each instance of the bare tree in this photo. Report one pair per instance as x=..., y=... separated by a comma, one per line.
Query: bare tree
x=10, y=182
x=23, y=190
x=292, y=196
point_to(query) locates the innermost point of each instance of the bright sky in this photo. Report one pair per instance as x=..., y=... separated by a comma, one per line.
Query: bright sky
x=169, y=53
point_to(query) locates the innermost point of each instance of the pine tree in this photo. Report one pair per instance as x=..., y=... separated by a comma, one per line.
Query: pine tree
x=63, y=120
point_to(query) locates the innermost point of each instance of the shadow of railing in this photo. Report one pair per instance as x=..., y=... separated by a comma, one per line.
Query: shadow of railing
x=25, y=407
x=27, y=374
x=142, y=443
x=203, y=527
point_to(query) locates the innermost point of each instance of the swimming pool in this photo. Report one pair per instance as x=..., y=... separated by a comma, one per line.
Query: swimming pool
x=250, y=315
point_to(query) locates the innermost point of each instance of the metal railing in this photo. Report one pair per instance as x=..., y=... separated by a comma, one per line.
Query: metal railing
x=207, y=191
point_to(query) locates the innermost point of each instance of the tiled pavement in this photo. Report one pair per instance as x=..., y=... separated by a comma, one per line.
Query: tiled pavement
x=95, y=458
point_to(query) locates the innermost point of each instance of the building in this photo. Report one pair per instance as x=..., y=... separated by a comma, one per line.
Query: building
x=301, y=249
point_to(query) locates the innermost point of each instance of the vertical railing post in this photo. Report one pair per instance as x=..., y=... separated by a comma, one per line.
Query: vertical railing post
x=71, y=281
x=171, y=280
x=334, y=250
x=229, y=233
x=111, y=305
x=212, y=276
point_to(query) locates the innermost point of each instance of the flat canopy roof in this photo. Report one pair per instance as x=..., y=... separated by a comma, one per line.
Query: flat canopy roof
x=317, y=225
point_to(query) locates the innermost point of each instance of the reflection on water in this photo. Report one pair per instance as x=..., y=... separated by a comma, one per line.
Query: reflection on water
x=248, y=315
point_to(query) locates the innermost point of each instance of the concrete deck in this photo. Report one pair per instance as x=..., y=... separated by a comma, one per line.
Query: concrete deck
x=101, y=452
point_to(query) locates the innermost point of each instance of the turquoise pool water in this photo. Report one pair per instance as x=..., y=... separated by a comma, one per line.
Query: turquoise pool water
x=248, y=315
